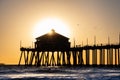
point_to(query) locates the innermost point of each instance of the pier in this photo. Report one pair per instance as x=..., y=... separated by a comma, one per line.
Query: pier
x=105, y=54
x=54, y=50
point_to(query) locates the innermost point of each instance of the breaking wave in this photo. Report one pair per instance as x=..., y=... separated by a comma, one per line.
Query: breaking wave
x=58, y=73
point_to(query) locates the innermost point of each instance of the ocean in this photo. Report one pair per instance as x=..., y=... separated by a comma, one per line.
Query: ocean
x=59, y=73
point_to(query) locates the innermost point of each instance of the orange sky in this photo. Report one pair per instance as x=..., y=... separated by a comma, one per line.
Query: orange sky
x=85, y=19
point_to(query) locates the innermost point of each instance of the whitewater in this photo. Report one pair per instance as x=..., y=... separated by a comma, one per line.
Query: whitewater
x=59, y=73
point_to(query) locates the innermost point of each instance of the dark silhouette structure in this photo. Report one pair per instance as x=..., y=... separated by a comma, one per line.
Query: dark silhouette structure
x=52, y=41
x=53, y=49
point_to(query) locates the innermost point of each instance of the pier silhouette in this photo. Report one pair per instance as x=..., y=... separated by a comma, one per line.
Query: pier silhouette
x=53, y=49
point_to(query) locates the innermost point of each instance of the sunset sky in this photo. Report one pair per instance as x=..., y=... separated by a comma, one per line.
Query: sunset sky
x=82, y=18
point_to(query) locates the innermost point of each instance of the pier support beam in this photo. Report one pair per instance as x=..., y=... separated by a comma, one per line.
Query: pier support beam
x=102, y=56
x=111, y=56
x=74, y=58
x=116, y=63
x=94, y=57
x=68, y=58
x=80, y=58
x=108, y=61
x=87, y=57
x=31, y=58
x=119, y=56
x=52, y=60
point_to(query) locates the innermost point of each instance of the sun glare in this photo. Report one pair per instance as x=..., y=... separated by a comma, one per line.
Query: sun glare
x=46, y=25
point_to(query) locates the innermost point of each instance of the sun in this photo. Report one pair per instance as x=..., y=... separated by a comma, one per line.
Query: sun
x=46, y=25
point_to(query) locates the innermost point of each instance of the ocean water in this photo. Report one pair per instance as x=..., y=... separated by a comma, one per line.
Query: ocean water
x=59, y=73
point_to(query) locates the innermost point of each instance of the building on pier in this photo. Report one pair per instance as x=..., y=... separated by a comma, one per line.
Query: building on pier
x=52, y=41
x=51, y=49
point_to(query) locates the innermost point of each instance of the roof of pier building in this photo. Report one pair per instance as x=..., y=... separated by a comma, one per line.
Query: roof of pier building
x=51, y=35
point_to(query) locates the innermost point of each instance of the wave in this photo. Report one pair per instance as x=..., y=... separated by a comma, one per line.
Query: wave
x=58, y=73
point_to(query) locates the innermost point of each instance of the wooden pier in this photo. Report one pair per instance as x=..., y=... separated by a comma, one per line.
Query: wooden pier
x=53, y=49
x=101, y=55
